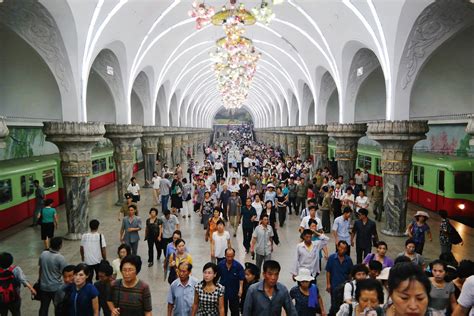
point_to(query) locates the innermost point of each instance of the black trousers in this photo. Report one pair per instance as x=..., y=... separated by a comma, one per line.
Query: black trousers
x=231, y=303
x=46, y=298
x=219, y=174
x=362, y=253
x=247, y=232
x=300, y=204
x=94, y=268
x=13, y=307
x=292, y=203
x=153, y=243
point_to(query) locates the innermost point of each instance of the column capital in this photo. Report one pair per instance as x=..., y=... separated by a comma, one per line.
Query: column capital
x=3, y=131
x=153, y=131
x=356, y=130
x=397, y=139
x=75, y=141
x=123, y=131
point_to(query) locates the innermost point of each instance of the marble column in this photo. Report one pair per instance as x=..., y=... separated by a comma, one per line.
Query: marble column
x=123, y=137
x=302, y=143
x=150, y=140
x=75, y=142
x=291, y=143
x=177, y=147
x=185, y=145
x=166, y=148
x=283, y=145
x=470, y=131
x=347, y=137
x=318, y=145
x=3, y=132
x=396, y=139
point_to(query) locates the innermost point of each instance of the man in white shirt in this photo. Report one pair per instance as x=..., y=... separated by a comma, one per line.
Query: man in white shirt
x=359, y=272
x=312, y=215
x=233, y=186
x=247, y=165
x=93, y=248
x=466, y=299
x=233, y=174
x=361, y=201
x=307, y=253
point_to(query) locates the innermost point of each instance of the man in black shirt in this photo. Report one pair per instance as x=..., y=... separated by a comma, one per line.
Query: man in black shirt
x=365, y=232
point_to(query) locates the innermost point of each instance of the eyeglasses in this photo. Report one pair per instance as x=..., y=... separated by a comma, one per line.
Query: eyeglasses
x=129, y=270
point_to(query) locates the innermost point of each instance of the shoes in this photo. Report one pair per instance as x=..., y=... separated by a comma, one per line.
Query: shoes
x=235, y=235
x=150, y=264
x=189, y=216
x=184, y=216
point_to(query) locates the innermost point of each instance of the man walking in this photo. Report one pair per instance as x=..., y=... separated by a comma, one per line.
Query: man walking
x=232, y=276
x=341, y=228
x=262, y=241
x=338, y=268
x=307, y=253
x=165, y=187
x=301, y=194
x=365, y=231
x=376, y=199
x=39, y=201
x=268, y=297
x=181, y=293
x=248, y=214
x=93, y=249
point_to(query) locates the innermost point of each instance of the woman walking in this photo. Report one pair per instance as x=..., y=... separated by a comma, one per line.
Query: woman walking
x=83, y=296
x=417, y=229
x=155, y=183
x=281, y=201
x=134, y=189
x=206, y=209
x=153, y=235
x=176, y=194
x=271, y=213
x=181, y=255
x=209, y=295
x=48, y=217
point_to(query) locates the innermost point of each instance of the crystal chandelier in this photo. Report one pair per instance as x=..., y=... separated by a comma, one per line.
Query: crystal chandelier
x=235, y=57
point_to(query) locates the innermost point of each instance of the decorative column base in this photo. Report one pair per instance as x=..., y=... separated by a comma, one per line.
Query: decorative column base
x=3, y=131
x=75, y=142
x=318, y=145
x=122, y=137
x=347, y=137
x=150, y=139
x=397, y=139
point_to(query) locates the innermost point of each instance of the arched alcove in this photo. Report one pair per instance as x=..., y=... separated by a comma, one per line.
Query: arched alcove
x=444, y=86
x=28, y=89
x=332, y=112
x=100, y=102
x=311, y=114
x=370, y=103
x=136, y=108
x=160, y=118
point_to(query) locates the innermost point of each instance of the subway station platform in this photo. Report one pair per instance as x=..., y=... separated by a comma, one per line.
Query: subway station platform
x=25, y=245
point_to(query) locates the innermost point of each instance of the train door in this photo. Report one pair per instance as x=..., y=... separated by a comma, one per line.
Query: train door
x=418, y=182
x=440, y=191
x=28, y=191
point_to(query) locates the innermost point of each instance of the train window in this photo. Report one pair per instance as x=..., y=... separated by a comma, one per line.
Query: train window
x=49, y=180
x=27, y=186
x=5, y=191
x=441, y=180
x=364, y=162
x=415, y=175
x=102, y=165
x=95, y=166
x=463, y=183
x=111, y=163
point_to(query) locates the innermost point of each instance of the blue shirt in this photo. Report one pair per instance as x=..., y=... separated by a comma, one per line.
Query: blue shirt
x=339, y=271
x=258, y=303
x=81, y=300
x=230, y=278
x=342, y=228
x=182, y=296
x=247, y=215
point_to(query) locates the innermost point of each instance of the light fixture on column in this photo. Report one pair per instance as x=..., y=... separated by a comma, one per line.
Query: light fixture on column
x=263, y=13
x=202, y=13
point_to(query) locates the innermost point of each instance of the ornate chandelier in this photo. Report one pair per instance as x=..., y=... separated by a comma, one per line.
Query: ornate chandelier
x=235, y=57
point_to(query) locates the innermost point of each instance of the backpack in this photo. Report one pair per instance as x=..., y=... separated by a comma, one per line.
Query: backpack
x=8, y=284
x=339, y=294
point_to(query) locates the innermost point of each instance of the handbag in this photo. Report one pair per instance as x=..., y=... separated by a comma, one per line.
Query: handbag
x=37, y=288
x=454, y=236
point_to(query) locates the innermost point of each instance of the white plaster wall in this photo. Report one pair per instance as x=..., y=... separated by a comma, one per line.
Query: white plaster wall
x=332, y=113
x=100, y=103
x=137, y=109
x=445, y=85
x=27, y=86
x=370, y=101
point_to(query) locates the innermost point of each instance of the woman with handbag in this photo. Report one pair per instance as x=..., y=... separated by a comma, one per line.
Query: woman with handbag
x=48, y=219
x=176, y=194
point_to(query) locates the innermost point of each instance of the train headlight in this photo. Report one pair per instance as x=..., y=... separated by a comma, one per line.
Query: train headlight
x=461, y=206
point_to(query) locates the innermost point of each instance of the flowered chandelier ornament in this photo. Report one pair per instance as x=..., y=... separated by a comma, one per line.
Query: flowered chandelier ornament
x=235, y=57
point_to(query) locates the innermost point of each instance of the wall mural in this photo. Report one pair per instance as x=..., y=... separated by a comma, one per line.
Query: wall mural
x=24, y=142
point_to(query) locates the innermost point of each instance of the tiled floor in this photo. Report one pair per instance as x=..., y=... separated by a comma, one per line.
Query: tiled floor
x=25, y=245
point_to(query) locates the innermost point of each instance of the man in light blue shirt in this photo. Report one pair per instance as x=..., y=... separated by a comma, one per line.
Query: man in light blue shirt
x=181, y=293
x=341, y=228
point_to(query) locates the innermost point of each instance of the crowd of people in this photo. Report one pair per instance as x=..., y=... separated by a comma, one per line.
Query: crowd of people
x=257, y=188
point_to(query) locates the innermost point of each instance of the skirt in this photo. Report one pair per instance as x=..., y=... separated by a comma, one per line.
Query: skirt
x=176, y=201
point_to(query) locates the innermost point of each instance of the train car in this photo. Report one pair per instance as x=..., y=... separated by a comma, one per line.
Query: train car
x=103, y=169
x=437, y=182
x=17, y=194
